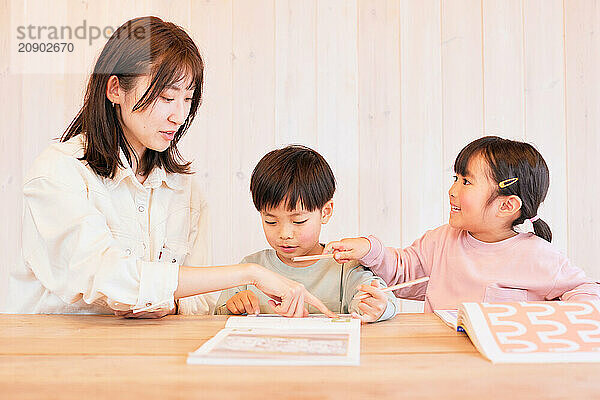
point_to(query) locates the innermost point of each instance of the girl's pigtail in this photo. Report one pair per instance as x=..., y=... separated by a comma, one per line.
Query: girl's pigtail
x=542, y=230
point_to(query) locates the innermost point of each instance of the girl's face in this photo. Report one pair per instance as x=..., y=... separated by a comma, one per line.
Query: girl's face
x=155, y=126
x=469, y=195
x=295, y=233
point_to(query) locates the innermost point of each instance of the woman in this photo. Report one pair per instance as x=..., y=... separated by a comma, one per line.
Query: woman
x=113, y=221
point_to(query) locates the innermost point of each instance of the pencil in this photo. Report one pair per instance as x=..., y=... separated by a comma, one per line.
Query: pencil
x=364, y=295
x=315, y=257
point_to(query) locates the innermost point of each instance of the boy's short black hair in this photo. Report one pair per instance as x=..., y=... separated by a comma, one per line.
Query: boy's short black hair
x=292, y=174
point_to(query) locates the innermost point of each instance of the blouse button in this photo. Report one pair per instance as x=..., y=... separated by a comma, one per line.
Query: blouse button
x=173, y=260
x=148, y=304
x=141, y=208
x=128, y=252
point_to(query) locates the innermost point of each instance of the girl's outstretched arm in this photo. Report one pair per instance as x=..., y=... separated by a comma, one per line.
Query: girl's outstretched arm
x=392, y=265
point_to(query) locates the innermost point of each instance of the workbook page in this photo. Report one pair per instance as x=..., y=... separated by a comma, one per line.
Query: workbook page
x=283, y=341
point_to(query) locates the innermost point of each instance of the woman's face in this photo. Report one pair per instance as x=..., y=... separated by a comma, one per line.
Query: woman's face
x=155, y=126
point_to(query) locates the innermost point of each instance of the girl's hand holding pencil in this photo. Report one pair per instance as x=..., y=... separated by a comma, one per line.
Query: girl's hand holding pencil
x=348, y=249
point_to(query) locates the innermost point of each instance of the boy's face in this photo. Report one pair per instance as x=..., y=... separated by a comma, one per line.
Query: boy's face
x=295, y=233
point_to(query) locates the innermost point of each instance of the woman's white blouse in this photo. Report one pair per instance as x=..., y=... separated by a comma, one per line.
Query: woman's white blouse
x=94, y=245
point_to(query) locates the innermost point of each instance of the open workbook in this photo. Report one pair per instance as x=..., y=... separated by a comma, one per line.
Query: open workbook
x=533, y=332
x=450, y=318
x=273, y=340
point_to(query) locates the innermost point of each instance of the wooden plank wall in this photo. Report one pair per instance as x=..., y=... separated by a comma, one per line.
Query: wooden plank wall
x=388, y=90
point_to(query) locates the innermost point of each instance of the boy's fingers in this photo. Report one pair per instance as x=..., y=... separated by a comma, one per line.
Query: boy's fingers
x=372, y=290
x=373, y=302
x=239, y=304
x=248, y=308
x=358, y=316
x=367, y=309
x=232, y=307
x=254, y=303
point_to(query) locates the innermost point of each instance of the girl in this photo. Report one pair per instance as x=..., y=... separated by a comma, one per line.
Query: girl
x=478, y=256
x=111, y=212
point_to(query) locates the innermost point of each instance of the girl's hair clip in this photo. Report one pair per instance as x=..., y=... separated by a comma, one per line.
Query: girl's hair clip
x=507, y=182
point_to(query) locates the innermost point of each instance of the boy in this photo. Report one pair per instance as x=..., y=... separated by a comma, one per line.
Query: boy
x=292, y=189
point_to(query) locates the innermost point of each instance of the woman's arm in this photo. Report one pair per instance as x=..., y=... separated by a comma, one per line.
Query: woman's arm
x=289, y=297
x=71, y=250
x=197, y=280
x=199, y=253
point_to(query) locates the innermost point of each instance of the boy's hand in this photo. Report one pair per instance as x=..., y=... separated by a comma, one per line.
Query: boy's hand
x=348, y=249
x=242, y=302
x=373, y=306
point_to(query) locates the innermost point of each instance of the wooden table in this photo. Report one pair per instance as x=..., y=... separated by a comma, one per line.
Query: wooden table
x=413, y=356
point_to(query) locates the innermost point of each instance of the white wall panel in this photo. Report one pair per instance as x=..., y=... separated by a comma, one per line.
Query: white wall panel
x=387, y=90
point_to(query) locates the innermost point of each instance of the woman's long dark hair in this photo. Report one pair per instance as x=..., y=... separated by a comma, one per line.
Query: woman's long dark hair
x=508, y=159
x=141, y=46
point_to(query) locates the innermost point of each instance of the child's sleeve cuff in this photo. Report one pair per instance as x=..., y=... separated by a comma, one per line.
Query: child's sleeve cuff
x=390, y=311
x=374, y=253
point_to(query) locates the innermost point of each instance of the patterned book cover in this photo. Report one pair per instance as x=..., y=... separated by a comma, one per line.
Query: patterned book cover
x=534, y=332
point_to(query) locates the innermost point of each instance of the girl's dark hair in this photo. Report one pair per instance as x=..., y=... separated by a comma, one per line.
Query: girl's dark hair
x=507, y=159
x=294, y=173
x=141, y=46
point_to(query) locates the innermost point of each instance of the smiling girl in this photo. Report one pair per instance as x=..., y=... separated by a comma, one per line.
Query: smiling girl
x=478, y=256
x=113, y=221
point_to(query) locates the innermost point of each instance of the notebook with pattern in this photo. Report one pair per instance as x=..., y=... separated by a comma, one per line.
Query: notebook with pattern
x=534, y=332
